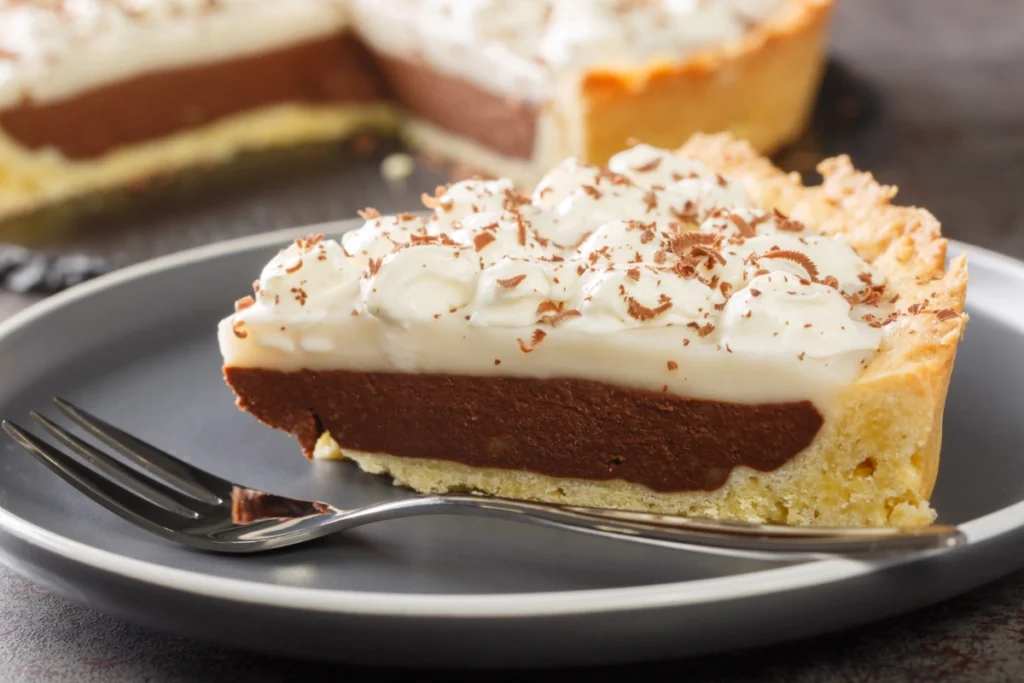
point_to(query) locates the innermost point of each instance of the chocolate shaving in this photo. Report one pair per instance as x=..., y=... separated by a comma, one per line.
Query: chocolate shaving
x=549, y=307
x=688, y=213
x=702, y=330
x=513, y=200
x=481, y=240
x=797, y=257
x=681, y=243
x=369, y=213
x=649, y=166
x=535, y=340
x=238, y=327
x=685, y=270
x=872, y=296
x=830, y=281
x=511, y=282
x=591, y=190
x=244, y=303
x=638, y=311
x=374, y=265
x=784, y=223
x=433, y=202
x=944, y=314
x=430, y=201
x=742, y=225
x=672, y=365
x=650, y=200
x=876, y=322
x=633, y=274
x=612, y=177
x=561, y=316
x=294, y=268
x=310, y=241
x=432, y=239
x=711, y=254
x=521, y=226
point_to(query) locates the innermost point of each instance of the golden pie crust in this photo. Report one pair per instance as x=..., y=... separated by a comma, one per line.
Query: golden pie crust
x=761, y=89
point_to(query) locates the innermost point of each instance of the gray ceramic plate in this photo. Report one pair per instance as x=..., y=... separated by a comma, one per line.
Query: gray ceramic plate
x=138, y=347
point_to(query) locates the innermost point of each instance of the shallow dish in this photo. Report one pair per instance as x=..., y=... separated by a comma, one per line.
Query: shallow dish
x=138, y=347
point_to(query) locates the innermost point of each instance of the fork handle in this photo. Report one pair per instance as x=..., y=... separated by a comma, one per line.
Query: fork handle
x=760, y=541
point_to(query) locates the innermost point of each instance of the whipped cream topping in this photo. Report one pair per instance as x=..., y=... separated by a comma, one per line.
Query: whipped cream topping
x=535, y=41
x=654, y=272
x=51, y=49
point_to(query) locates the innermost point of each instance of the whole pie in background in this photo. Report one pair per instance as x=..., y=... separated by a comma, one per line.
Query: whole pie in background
x=99, y=96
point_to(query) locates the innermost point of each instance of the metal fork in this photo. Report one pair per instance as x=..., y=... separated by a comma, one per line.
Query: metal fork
x=180, y=502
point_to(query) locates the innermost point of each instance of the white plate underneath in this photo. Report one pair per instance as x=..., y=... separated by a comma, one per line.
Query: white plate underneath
x=139, y=348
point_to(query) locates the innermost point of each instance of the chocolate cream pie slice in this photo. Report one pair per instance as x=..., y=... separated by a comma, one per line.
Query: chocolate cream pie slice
x=689, y=332
x=102, y=95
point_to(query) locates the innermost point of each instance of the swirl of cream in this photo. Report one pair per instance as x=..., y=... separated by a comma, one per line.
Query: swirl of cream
x=589, y=207
x=745, y=223
x=516, y=292
x=696, y=198
x=467, y=197
x=825, y=257
x=421, y=283
x=562, y=180
x=380, y=236
x=495, y=235
x=647, y=165
x=307, y=280
x=620, y=241
x=781, y=313
x=623, y=296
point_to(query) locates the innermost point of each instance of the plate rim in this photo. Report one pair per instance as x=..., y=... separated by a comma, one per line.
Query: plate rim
x=480, y=605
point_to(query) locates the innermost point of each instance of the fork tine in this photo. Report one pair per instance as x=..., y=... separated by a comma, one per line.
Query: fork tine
x=136, y=482
x=120, y=501
x=198, y=483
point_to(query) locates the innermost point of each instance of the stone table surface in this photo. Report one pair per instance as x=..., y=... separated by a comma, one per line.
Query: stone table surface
x=928, y=94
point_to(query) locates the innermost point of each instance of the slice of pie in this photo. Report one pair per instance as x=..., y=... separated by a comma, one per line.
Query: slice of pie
x=689, y=332
x=98, y=96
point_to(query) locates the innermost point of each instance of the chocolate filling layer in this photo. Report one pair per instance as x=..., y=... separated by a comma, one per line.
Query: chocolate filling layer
x=329, y=70
x=334, y=69
x=557, y=427
x=500, y=123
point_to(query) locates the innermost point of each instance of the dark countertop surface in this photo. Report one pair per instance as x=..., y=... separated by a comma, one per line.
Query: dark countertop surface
x=927, y=94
